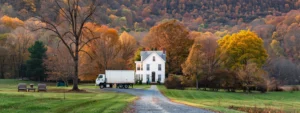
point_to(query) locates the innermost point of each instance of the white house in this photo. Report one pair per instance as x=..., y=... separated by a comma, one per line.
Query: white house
x=151, y=67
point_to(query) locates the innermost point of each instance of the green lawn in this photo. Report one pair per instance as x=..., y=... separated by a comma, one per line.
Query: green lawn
x=220, y=101
x=92, y=101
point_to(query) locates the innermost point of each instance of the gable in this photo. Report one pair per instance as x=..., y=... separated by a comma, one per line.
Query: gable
x=146, y=54
x=157, y=58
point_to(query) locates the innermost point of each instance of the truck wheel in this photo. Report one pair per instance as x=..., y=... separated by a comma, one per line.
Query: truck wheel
x=101, y=86
x=121, y=86
x=126, y=86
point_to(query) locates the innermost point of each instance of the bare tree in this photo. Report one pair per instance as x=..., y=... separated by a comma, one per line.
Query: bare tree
x=250, y=75
x=209, y=45
x=19, y=41
x=70, y=26
x=59, y=64
x=3, y=61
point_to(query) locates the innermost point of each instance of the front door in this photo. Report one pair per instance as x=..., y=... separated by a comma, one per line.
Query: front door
x=153, y=76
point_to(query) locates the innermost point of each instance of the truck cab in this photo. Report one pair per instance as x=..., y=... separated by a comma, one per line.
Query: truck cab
x=100, y=79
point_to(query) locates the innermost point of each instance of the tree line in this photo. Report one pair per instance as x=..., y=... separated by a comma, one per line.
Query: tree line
x=103, y=47
x=140, y=15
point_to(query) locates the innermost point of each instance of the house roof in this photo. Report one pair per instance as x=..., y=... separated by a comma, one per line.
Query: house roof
x=145, y=54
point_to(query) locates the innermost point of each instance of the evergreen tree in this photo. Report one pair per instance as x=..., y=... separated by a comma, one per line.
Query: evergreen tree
x=35, y=69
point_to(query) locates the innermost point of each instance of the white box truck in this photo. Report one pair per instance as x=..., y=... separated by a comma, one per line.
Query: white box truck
x=120, y=78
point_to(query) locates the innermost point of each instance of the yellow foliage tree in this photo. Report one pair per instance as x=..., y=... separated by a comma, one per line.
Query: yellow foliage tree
x=11, y=22
x=128, y=45
x=275, y=45
x=242, y=47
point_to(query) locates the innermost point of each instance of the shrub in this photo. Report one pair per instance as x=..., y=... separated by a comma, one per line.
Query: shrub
x=158, y=82
x=173, y=82
x=295, y=88
x=274, y=85
x=141, y=81
x=263, y=87
x=187, y=82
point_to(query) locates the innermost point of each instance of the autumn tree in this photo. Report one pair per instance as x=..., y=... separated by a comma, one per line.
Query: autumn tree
x=102, y=53
x=174, y=38
x=70, y=26
x=19, y=40
x=244, y=53
x=105, y=49
x=250, y=75
x=210, y=58
x=193, y=66
x=277, y=49
x=11, y=22
x=239, y=48
x=284, y=70
x=128, y=45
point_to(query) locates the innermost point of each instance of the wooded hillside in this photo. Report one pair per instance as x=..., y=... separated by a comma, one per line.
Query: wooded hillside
x=143, y=14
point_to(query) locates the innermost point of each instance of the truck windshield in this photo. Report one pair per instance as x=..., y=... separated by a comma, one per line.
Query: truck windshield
x=100, y=76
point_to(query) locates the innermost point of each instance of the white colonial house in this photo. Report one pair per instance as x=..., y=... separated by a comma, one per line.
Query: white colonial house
x=151, y=68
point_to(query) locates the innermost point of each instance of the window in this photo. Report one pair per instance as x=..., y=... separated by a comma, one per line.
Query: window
x=100, y=76
x=137, y=77
x=148, y=67
x=138, y=67
x=153, y=58
x=159, y=67
x=159, y=77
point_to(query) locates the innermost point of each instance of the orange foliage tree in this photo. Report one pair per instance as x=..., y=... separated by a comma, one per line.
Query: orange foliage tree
x=173, y=37
x=100, y=54
x=11, y=22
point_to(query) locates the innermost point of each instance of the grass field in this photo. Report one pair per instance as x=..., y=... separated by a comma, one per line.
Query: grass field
x=221, y=101
x=91, y=101
x=142, y=86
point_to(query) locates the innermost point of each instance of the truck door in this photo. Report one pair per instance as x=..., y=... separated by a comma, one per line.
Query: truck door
x=100, y=79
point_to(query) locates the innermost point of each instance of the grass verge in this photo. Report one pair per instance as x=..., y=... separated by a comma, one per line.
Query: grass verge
x=235, y=102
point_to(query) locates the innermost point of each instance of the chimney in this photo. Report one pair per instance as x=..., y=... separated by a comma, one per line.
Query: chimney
x=164, y=50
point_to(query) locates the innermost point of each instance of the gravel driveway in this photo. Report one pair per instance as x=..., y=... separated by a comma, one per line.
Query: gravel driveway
x=152, y=101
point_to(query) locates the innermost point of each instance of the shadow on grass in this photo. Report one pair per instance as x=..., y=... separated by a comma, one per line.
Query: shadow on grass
x=256, y=109
x=19, y=104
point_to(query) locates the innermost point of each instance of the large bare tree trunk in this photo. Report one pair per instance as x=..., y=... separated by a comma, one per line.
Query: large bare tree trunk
x=75, y=79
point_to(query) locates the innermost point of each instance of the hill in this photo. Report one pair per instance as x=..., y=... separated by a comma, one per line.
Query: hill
x=142, y=14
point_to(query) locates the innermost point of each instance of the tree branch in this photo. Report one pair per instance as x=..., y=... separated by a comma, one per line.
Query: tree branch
x=86, y=53
x=88, y=42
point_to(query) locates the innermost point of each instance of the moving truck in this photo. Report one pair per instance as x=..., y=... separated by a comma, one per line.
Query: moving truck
x=120, y=78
